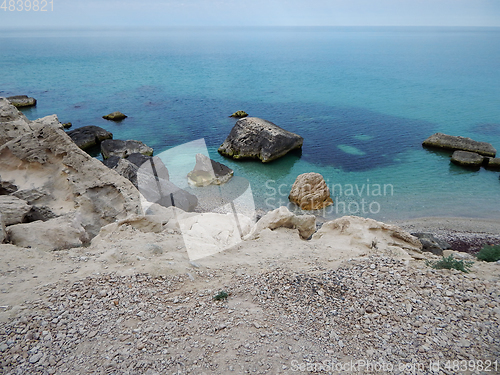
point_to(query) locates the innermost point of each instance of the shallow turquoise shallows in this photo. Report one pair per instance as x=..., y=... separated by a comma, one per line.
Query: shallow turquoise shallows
x=364, y=99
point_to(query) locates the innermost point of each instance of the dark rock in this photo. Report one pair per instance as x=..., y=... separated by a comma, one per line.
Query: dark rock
x=453, y=143
x=239, y=114
x=209, y=172
x=138, y=158
x=19, y=101
x=37, y=213
x=115, y=116
x=67, y=125
x=255, y=138
x=492, y=164
x=123, y=149
x=89, y=136
x=467, y=159
x=7, y=187
x=432, y=244
x=123, y=167
x=154, y=185
x=130, y=166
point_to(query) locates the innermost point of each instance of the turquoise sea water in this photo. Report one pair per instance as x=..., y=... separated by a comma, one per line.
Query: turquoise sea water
x=363, y=99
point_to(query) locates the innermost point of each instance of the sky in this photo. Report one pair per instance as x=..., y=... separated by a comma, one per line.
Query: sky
x=168, y=13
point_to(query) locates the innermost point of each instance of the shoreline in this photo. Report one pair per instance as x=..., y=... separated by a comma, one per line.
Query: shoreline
x=463, y=234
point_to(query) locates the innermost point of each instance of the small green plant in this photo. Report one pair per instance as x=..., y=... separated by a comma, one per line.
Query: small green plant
x=451, y=263
x=489, y=253
x=222, y=295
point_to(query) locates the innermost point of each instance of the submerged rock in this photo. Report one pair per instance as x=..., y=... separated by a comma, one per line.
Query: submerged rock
x=117, y=147
x=114, y=116
x=239, y=114
x=209, y=172
x=256, y=138
x=467, y=159
x=450, y=142
x=88, y=136
x=310, y=192
x=20, y=101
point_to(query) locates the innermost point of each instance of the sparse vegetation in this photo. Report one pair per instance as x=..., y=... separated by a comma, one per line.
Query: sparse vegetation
x=489, y=253
x=222, y=295
x=451, y=263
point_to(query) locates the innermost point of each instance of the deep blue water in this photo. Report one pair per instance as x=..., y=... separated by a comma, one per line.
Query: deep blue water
x=363, y=99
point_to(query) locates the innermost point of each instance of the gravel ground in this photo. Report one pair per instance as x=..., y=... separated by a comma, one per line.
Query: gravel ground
x=397, y=317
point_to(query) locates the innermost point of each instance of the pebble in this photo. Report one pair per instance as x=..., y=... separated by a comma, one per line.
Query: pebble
x=372, y=308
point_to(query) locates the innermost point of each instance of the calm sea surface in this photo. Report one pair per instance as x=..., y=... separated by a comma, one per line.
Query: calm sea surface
x=364, y=99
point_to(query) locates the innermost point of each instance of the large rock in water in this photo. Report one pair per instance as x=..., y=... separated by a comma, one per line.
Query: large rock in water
x=20, y=101
x=88, y=136
x=114, y=116
x=310, y=192
x=209, y=172
x=467, y=159
x=252, y=137
x=453, y=143
x=46, y=166
x=117, y=147
x=493, y=164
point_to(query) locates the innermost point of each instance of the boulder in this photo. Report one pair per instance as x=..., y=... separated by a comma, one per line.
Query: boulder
x=123, y=149
x=283, y=218
x=123, y=167
x=165, y=193
x=50, y=120
x=467, y=159
x=159, y=168
x=209, y=172
x=115, y=116
x=129, y=167
x=255, y=138
x=432, y=244
x=47, y=166
x=239, y=114
x=13, y=209
x=453, y=143
x=39, y=213
x=7, y=187
x=492, y=164
x=19, y=101
x=67, y=125
x=12, y=122
x=32, y=195
x=357, y=236
x=88, y=136
x=310, y=192
x=56, y=234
